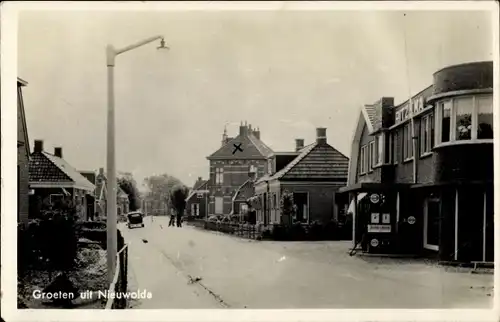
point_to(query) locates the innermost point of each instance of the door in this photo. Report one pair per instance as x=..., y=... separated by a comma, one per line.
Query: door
x=219, y=203
x=301, y=202
x=431, y=224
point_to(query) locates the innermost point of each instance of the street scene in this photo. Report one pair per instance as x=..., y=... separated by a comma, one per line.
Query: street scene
x=239, y=273
x=246, y=159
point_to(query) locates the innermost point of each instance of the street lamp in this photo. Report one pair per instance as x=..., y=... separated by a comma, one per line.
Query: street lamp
x=111, y=219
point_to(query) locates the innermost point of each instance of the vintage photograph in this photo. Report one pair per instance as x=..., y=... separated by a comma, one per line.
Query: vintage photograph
x=255, y=159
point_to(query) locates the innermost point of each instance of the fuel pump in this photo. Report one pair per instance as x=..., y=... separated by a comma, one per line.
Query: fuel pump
x=378, y=223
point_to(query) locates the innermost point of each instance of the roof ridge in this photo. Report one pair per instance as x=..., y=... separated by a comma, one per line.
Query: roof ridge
x=256, y=140
x=294, y=162
x=54, y=164
x=61, y=167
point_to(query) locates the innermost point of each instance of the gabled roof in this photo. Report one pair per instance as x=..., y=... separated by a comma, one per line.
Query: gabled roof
x=47, y=168
x=199, y=185
x=247, y=183
x=315, y=162
x=253, y=148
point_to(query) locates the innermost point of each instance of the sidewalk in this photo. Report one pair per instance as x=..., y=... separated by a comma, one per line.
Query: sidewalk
x=150, y=270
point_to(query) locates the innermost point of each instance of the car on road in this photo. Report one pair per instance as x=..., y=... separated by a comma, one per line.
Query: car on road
x=135, y=219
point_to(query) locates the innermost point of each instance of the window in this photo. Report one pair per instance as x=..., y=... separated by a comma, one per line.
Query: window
x=275, y=206
x=426, y=134
x=484, y=105
x=407, y=142
x=379, y=151
x=219, y=175
x=269, y=166
x=445, y=124
x=243, y=208
x=371, y=159
x=465, y=118
x=363, y=160
x=56, y=199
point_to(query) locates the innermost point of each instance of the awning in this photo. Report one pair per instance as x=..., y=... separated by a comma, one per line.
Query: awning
x=350, y=210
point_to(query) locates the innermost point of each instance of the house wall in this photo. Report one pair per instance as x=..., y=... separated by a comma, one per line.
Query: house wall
x=236, y=172
x=373, y=175
x=202, y=204
x=321, y=199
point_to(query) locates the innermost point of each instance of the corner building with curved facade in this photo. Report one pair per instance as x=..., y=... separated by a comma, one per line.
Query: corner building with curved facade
x=422, y=171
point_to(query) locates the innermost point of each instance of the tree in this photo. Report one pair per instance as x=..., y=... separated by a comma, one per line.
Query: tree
x=128, y=184
x=159, y=188
x=178, y=198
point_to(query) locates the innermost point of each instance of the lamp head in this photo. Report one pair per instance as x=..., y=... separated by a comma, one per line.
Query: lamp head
x=162, y=45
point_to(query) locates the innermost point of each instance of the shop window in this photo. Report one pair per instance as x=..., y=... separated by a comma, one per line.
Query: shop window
x=465, y=118
x=445, y=124
x=484, y=106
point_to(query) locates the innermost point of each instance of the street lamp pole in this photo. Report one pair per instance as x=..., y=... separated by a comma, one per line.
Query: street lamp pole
x=111, y=216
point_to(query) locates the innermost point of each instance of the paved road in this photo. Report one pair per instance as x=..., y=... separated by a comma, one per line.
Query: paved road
x=239, y=273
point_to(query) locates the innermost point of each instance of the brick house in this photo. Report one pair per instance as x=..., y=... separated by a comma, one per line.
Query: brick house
x=122, y=200
x=313, y=173
x=232, y=165
x=197, y=199
x=422, y=171
x=23, y=155
x=52, y=179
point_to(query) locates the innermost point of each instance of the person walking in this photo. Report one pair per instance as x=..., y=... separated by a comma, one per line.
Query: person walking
x=172, y=219
x=179, y=220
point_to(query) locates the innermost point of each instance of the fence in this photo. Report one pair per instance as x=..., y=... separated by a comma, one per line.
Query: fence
x=328, y=231
x=240, y=230
x=120, y=279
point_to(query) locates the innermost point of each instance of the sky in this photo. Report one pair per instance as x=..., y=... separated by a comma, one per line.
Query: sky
x=286, y=72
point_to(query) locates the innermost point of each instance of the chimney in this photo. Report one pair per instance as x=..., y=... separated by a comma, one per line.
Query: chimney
x=299, y=144
x=38, y=146
x=58, y=152
x=256, y=133
x=321, y=135
x=200, y=178
x=243, y=129
x=101, y=171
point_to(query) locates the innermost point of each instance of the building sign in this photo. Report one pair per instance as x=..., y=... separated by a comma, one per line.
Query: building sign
x=374, y=198
x=411, y=220
x=417, y=105
x=386, y=218
x=379, y=228
x=375, y=218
